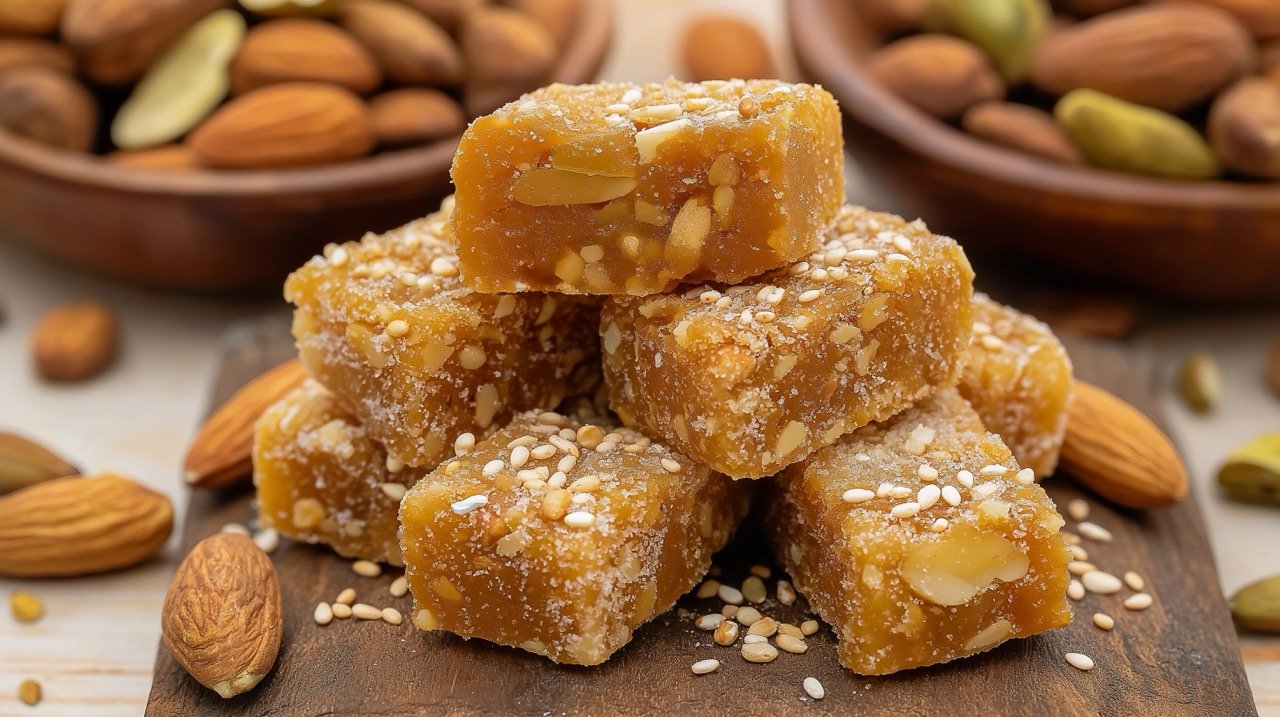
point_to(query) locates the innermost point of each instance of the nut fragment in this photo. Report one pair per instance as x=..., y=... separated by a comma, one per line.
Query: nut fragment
x=1256, y=606
x=74, y=342
x=759, y=652
x=25, y=463
x=955, y=569
x=30, y=692
x=1199, y=382
x=548, y=186
x=25, y=606
x=1252, y=472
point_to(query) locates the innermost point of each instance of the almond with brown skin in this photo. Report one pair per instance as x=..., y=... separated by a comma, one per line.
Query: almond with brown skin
x=1260, y=17
x=412, y=115
x=411, y=48
x=1021, y=127
x=74, y=342
x=302, y=49
x=220, y=455
x=721, y=47
x=81, y=525
x=29, y=51
x=1114, y=450
x=559, y=17
x=24, y=463
x=893, y=16
x=445, y=13
x=507, y=53
x=30, y=17
x=1164, y=56
x=49, y=107
x=941, y=75
x=165, y=158
x=116, y=40
x=222, y=617
x=1244, y=127
x=286, y=125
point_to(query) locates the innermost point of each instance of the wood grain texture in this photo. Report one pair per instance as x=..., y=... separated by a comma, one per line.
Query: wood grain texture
x=1180, y=657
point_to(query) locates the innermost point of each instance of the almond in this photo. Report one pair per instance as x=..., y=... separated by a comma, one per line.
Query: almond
x=165, y=158
x=893, y=16
x=446, y=13
x=507, y=53
x=285, y=125
x=1244, y=127
x=222, y=617
x=303, y=49
x=1260, y=17
x=74, y=342
x=415, y=116
x=720, y=47
x=1164, y=56
x=81, y=525
x=1021, y=127
x=1114, y=450
x=25, y=52
x=30, y=17
x=220, y=455
x=941, y=75
x=559, y=17
x=24, y=463
x=116, y=40
x=411, y=48
x=49, y=107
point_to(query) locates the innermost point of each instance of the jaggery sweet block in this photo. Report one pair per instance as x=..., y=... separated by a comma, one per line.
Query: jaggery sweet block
x=1017, y=375
x=753, y=377
x=321, y=478
x=619, y=188
x=386, y=324
x=920, y=541
x=561, y=538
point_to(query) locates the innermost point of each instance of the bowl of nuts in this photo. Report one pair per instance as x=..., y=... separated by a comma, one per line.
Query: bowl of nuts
x=212, y=145
x=1136, y=145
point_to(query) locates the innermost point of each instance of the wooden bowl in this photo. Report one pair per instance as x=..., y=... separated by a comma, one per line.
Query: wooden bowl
x=1215, y=241
x=233, y=231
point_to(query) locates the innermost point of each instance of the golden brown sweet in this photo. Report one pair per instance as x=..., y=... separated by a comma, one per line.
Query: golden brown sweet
x=322, y=479
x=1017, y=375
x=633, y=189
x=561, y=538
x=920, y=541
x=386, y=324
x=753, y=377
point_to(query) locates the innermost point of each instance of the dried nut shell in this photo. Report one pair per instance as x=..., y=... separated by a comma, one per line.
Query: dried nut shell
x=1256, y=606
x=415, y=116
x=183, y=86
x=412, y=49
x=941, y=75
x=1200, y=382
x=28, y=51
x=49, y=107
x=303, y=49
x=220, y=455
x=718, y=46
x=116, y=40
x=81, y=525
x=222, y=617
x=1009, y=31
x=24, y=463
x=1126, y=137
x=1244, y=127
x=1252, y=472
x=1021, y=127
x=74, y=342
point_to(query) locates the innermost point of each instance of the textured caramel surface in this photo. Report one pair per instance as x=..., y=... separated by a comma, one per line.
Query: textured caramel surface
x=562, y=538
x=387, y=325
x=906, y=590
x=322, y=479
x=633, y=189
x=753, y=377
x=1017, y=375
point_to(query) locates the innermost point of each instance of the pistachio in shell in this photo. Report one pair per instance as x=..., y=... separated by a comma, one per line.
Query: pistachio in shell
x=1200, y=382
x=1256, y=606
x=1251, y=473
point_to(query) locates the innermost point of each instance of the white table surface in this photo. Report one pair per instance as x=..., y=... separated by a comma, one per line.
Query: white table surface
x=93, y=652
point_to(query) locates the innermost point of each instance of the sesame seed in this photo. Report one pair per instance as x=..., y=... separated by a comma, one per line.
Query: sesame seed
x=399, y=587
x=580, y=519
x=993, y=470
x=710, y=621
x=792, y=644
x=1134, y=581
x=753, y=589
x=786, y=593
x=748, y=615
x=342, y=611
x=466, y=505
x=542, y=452
x=1102, y=583
x=1079, y=661
x=394, y=491
x=397, y=328
x=567, y=463
x=905, y=510
x=810, y=295
x=1103, y=621
x=1080, y=567
x=726, y=633
x=809, y=627
x=558, y=479
x=759, y=652
x=928, y=496
x=235, y=528
x=519, y=457
x=730, y=594
x=981, y=328
x=940, y=525
x=1026, y=476
x=323, y=614
x=813, y=688
x=761, y=571
x=754, y=639
x=492, y=467
x=708, y=588
x=927, y=472
x=391, y=616
x=362, y=611
x=703, y=667
x=267, y=540
x=729, y=611
x=1078, y=509
x=394, y=465
x=366, y=568
x=992, y=342
x=863, y=255
x=1093, y=531
x=765, y=626
x=1138, y=601
x=965, y=478
x=1077, y=552
x=1075, y=590
x=950, y=495
x=346, y=597
x=857, y=495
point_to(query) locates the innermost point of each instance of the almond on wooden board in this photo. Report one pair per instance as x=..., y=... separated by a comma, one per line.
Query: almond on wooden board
x=30, y=17
x=1163, y=56
x=722, y=46
x=222, y=617
x=76, y=341
x=303, y=49
x=559, y=17
x=1021, y=127
x=27, y=51
x=939, y=74
x=1114, y=450
x=1244, y=127
x=412, y=115
x=81, y=525
x=287, y=125
x=411, y=48
x=116, y=40
x=220, y=454
x=49, y=107
x=165, y=158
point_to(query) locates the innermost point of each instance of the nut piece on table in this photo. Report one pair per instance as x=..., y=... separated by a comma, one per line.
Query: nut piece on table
x=75, y=342
x=1200, y=382
x=1252, y=472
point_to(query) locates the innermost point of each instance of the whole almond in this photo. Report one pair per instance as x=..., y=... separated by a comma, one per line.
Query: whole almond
x=28, y=51
x=30, y=17
x=1260, y=17
x=559, y=17
x=220, y=455
x=116, y=40
x=411, y=48
x=222, y=617
x=165, y=158
x=81, y=525
x=1114, y=450
x=445, y=13
x=74, y=342
x=1021, y=127
x=505, y=47
x=286, y=125
x=24, y=463
x=893, y=16
x=941, y=75
x=721, y=47
x=1244, y=127
x=1163, y=56
x=303, y=49
x=413, y=115
x=49, y=107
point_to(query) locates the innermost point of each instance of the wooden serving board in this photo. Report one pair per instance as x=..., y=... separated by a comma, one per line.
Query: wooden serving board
x=1180, y=657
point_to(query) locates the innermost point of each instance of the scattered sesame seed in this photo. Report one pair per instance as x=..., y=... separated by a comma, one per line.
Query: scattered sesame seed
x=940, y=525
x=765, y=626
x=580, y=518
x=1138, y=601
x=1078, y=509
x=761, y=571
x=809, y=627
x=1079, y=661
x=519, y=457
x=1026, y=476
x=267, y=540
x=928, y=496
x=726, y=633
x=857, y=495
x=463, y=444
x=730, y=594
x=1134, y=581
x=759, y=652
x=754, y=639
x=753, y=589
x=950, y=495
x=792, y=644
x=366, y=568
x=786, y=593
x=748, y=615
x=708, y=588
x=965, y=478
x=992, y=342
x=346, y=597
x=391, y=616
x=394, y=491
x=710, y=621
x=542, y=452
x=1077, y=552
x=1080, y=567
x=670, y=466
x=1103, y=621
x=235, y=528
x=927, y=472
x=1093, y=531
x=323, y=614
x=492, y=467
x=729, y=611
x=786, y=628
x=993, y=470
x=813, y=688
x=905, y=510
x=1102, y=583
x=399, y=587
x=466, y=505
x=342, y=611
x=1075, y=590
x=361, y=611
x=702, y=667
x=397, y=328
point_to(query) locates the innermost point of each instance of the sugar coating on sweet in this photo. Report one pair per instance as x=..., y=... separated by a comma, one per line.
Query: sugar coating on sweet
x=949, y=578
x=563, y=568
x=619, y=188
x=1018, y=377
x=387, y=325
x=752, y=377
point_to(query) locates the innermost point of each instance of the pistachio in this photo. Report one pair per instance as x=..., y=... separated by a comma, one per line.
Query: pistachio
x=1199, y=382
x=24, y=463
x=1252, y=472
x=1256, y=606
x=1123, y=136
x=1009, y=31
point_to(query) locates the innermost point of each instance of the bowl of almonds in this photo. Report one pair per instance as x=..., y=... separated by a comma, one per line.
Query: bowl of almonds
x=1135, y=144
x=213, y=144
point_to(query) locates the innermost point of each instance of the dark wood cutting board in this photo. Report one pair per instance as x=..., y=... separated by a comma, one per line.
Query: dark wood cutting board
x=1180, y=657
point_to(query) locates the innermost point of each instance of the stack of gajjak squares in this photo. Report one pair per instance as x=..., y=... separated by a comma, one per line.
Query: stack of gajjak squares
x=690, y=244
